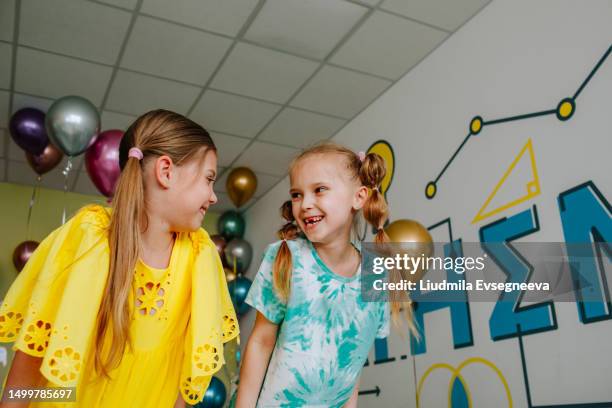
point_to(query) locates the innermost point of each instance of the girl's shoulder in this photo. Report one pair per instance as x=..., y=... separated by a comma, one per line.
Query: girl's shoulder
x=93, y=215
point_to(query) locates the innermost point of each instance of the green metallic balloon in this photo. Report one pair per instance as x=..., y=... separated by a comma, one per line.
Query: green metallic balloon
x=231, y=225
x=71, y=123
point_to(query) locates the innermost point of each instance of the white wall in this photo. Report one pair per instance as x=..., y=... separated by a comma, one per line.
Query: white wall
x=514, y=57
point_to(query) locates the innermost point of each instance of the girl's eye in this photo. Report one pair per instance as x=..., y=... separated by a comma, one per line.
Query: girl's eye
x=295, y=196
x=320, y=189
x=211, y=180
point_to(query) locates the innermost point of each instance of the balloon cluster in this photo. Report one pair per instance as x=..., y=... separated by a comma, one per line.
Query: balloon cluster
x=70, y=127
x=236, y=254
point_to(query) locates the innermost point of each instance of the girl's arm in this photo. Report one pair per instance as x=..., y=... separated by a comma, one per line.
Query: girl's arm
x=352, y=402
x=255, y=361
x=180, y=402
x=24, y=373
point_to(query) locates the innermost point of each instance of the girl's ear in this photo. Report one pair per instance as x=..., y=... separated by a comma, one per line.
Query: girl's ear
x=360, y=198
x=163, y=171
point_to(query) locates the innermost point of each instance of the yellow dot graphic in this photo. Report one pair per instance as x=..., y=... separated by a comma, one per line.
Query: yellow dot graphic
x=476, y=125
x=565, y=109
x=430, y=190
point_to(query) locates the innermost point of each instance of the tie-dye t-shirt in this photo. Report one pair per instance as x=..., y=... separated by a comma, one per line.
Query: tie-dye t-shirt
x=325, y=333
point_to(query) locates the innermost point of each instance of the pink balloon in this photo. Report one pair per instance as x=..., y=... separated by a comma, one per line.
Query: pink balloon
x=102, y=161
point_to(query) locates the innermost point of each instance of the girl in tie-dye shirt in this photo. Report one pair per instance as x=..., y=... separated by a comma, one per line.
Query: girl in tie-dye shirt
x=313, y=331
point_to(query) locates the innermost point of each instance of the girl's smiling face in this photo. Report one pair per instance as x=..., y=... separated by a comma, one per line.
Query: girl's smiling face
x=324, y=197
x=185, y=192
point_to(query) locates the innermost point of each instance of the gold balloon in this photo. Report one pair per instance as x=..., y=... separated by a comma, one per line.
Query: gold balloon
x=241, y=185
x=229, y=275
x=415, y=239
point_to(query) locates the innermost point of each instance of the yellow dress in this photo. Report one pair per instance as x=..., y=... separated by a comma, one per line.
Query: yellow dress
x=181, y=317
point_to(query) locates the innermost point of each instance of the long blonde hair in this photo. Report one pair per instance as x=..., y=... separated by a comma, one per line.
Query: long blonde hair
x=156, y=133
x=370, y=173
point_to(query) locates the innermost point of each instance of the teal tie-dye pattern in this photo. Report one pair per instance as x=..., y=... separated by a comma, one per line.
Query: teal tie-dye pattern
x=325, y=335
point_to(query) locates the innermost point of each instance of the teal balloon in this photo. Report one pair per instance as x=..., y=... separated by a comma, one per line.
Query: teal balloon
x=71, y=123
x=238, y=289
x=231, y=225
x=215, y=395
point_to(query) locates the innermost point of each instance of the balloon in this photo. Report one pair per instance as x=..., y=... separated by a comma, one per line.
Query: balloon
x=45, y=161
x=229, y=275
x=71, y=123
x=215, y=395
x=220, y=244
x=238, y=252
x=239, y=290
x=22, y=253
x=241, y=185
x=408, y=231
x=102, y=161
x=27, y=127
x=415, y=239
x=231, y=225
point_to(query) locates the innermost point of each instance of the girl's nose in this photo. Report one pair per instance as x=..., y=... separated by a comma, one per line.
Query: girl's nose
x=213, y=198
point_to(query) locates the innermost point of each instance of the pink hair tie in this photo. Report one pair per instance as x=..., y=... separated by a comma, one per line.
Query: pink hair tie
x=135, y=153
x=362, y=156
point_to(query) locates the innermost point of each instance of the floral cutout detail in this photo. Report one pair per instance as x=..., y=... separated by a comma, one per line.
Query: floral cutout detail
x=193, y=389
x=10, y=324
x=37, y=336
x=229, y=327
x=65, y=364
x=207, y=358
x=150, y=298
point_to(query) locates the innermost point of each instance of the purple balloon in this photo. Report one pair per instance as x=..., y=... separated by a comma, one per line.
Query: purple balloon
x=102, y=161
x=27, y=127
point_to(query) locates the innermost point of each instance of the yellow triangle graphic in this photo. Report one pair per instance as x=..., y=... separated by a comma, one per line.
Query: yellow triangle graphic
x=532, y=187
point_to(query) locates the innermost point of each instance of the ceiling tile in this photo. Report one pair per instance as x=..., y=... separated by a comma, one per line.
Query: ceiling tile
x=4, y=107
x=310, y=28
x=299, y=128
x=85, y=186
x=113, y=120
x=79, y=28
x=264, y=182
x=228, y=147
x=448, y=14
x=388, y=45
x=136, y=94
x=267, y=158
x=156, y=47
x=4, y=135
x=7, y=18
x=26, y=101
x=339, y=92
x=62, y=76
x=367, y=2
x=129, y=4
x=6, y=58
x=225, y=113
x=222, y=16
x=262, y=73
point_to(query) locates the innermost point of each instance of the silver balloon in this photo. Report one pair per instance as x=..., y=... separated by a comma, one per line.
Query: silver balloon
x=71, y=123
x=239, y=250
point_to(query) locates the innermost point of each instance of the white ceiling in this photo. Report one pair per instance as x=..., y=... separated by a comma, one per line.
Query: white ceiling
x=265, y=77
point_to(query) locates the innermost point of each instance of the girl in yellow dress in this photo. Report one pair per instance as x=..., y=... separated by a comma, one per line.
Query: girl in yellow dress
x=130, y=306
